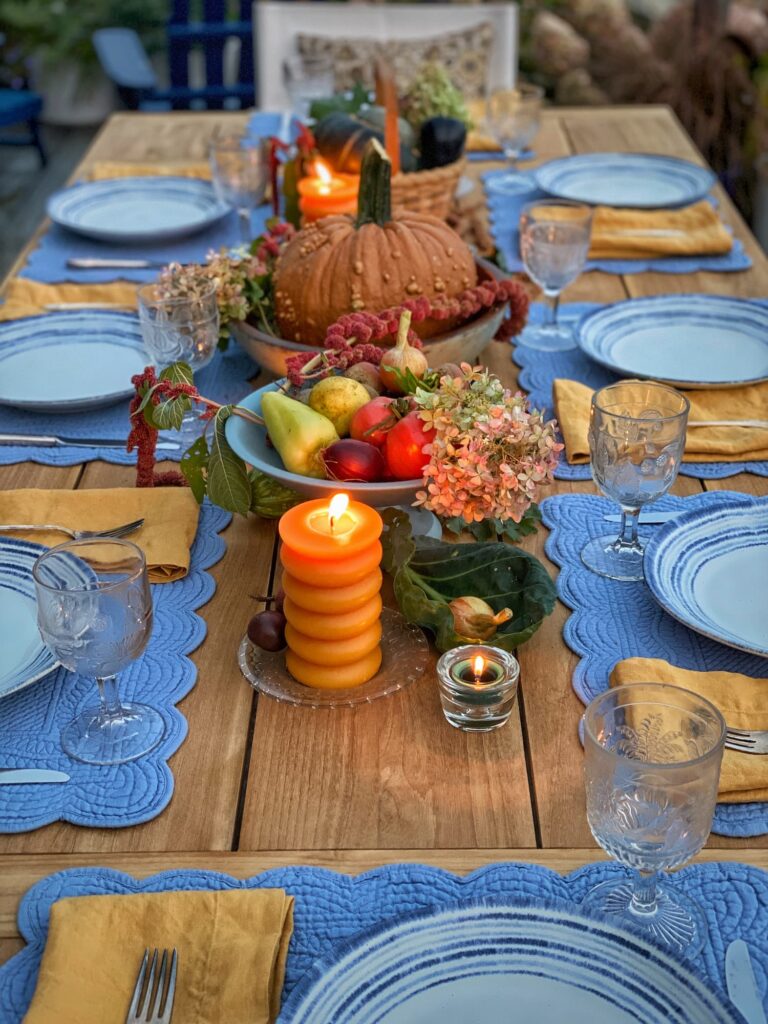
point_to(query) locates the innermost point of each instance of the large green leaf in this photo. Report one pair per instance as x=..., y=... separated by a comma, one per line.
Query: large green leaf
x=269, y=498
x=429, y=573
x=228, y=483
x=177, y=373
x=194, y=466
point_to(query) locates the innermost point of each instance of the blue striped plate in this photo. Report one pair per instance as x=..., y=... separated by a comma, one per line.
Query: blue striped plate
x=72, y=361
x=498, y=963
x=708, y=568
x=689, y=341
x=637, y=180
x=133, y=210
x=24, y=658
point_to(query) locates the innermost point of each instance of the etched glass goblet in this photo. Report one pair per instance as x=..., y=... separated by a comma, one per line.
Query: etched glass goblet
x=652, y=765
x=94, y=611
x=512, y=117
x=240, y=172
x=636, y=441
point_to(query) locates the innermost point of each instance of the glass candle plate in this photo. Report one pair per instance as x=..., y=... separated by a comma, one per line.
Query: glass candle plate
x=405, y=657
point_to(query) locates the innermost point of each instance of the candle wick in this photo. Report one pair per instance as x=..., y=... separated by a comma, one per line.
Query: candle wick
x=330, y=518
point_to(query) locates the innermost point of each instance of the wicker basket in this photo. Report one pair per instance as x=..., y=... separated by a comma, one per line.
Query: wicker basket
x=427, y=191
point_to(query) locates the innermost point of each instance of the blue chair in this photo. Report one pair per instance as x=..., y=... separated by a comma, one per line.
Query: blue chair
x=20, y=106
x=125, y=62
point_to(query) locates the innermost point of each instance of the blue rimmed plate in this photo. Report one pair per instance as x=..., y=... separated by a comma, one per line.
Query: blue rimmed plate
x=708, y=568
x=689, y=341
x=637, y=180
x=498, y=963
x=72, y=361
x=134, y=210
x=24, y=658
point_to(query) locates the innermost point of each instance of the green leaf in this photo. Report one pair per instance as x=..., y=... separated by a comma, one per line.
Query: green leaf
x=194, y=466
x=493, y=529
x=177, y=373
x=168, y=415
x=228, y=483
x=269, y=498
x=428, y=574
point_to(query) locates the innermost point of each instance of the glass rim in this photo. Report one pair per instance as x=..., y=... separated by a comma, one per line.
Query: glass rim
x=235, y=141
x=527, y=91
x=117, y=541
x=568, y=204
x=646, y=383
x=707, y=705
x=173, y=300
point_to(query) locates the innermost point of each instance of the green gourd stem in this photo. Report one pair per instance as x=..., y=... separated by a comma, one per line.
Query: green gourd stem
x=402, y=329
x=374, y=203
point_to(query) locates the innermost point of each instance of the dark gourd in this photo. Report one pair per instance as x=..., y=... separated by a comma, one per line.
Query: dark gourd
x=341, y=139
x=441, y=142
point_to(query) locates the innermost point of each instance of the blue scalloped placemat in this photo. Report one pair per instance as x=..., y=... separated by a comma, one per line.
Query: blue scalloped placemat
x=225, y=379
x=331, y=907
x=538, y=371
x=504, y=216
x=118, y=795
x=610, y=621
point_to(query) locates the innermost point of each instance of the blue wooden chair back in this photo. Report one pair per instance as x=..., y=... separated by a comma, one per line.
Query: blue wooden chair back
x=211, y=35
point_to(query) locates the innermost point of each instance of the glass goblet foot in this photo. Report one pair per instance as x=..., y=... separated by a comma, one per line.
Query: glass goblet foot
x=116, y=738
x=615, y=558
x=550, y=338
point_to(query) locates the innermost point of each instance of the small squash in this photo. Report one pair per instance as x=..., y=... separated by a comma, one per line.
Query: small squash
x=341, y=139
x=342, y=264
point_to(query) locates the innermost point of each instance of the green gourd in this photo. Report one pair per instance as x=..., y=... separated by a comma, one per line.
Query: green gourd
x=341, y=139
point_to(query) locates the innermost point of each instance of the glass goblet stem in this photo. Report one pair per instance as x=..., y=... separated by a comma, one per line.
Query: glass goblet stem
x=644, y=893
x=109, y=697
x=244, y=219
x=553, y=308
x=627, y=541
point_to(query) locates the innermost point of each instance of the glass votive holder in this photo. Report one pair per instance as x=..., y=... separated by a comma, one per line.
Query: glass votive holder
x=478, y=687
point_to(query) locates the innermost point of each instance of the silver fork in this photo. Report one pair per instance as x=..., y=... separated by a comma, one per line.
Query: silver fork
x=114, y=532
x=145, y=1009
x=748, y=741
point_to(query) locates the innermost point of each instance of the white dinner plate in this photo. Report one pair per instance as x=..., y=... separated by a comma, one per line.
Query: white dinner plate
x=485, y=963
x=689, y=341
x=71, y=361
x=134, y=210
x=709, y=569
x=637, y=180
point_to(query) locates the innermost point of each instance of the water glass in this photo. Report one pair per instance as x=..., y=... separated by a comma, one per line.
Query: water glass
x=307, y=79
x=94, y=611
x=240, y=172
x=554, y=243
x=513, y=117
x=636, y=440
x=652, y=765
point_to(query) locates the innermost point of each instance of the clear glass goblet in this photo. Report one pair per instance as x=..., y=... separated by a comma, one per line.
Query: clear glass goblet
x=180, y=328
x=554, y=243
x=636, y=440
x=652, y=764
x=94, y=611
x=307, y=79
x=240, y=172
x=513, y=117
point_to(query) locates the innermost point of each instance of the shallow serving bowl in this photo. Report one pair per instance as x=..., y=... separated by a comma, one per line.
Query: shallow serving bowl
x=464, y=344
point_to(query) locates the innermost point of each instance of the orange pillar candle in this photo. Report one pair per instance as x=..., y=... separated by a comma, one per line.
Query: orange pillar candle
x=330, y=555
x=325, y=193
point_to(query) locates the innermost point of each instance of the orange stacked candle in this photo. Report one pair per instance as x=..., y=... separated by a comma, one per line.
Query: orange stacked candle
x=331, y=577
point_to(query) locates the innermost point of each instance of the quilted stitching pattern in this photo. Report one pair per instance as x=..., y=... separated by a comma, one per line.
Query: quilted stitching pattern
x=611, y=621
x=119, y=795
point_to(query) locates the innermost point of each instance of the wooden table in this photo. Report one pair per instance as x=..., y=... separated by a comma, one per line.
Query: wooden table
x=391, y=781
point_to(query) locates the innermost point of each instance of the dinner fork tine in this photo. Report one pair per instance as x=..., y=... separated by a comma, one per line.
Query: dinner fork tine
x=146, y=1010
x=748, y=741
x=133, y=1009
x=122, y=531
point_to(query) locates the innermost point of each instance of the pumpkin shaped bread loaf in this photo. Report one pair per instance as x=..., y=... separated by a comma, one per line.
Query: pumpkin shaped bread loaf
x=342, y=264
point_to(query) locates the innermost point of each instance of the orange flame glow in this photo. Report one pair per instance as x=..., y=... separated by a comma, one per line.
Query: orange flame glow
x=478, y=665
x=323, y=172
x=337, y=507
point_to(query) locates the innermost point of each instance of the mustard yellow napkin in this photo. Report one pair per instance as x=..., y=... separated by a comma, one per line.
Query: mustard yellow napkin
x=101, y=169
x=232, y=948
x=637, y=234
x=743, y=703
x=29, y=298
x=702, y=444
x=170, y=515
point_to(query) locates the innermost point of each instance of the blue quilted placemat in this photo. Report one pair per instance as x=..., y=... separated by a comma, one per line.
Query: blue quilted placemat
x=611, y=621
x=118, y=795
x=331, y=908
x=504, y=216
x=538, y=371
x=225, y=379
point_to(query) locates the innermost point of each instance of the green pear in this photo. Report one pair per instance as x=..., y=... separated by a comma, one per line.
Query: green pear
x=298, y=433
x=338, y=398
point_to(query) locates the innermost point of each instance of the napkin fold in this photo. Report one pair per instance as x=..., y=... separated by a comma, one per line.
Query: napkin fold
x=170, y=515
x=101, y=169
x=702, y=444
x=232, y=947
x=642, y=234
x=743, y=702
x=29, y=298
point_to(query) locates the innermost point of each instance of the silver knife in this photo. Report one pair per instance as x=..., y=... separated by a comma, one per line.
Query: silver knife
x=50, y=441
x=110, y=263
x=16, y=776
x=742, y=987
x=647, y=519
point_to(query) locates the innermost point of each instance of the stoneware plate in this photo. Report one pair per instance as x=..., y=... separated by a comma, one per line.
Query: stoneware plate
x=536, y=962
x=137, y=209
x=689, y=341
x=250, y=442
x=709, y=569
x=72, y=361
x=625, y=179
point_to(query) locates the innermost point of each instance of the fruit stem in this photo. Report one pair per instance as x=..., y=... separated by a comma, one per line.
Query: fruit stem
x=402, y=330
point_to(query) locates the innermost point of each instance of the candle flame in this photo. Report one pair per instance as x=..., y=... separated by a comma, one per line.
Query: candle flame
x=337, y=507
x=323, y=172
x=478, y=666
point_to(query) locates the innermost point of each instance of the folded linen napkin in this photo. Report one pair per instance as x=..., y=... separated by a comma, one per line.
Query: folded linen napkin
x=170, y=515
x=702, y=444
x=743, y=703
x=29, y=298
x=102, y=169
x=232, y=947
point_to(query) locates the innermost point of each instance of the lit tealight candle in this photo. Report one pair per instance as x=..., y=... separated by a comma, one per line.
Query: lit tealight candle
x=330, y=556
x=325, y=193
x=478, y=686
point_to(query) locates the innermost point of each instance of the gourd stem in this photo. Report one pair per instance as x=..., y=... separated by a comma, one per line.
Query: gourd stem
x=374, y=201
x=402, y=329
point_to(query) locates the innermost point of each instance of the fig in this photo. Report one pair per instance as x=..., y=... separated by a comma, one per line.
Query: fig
x=367, y=374
x=351, y=460
x=267, y=630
